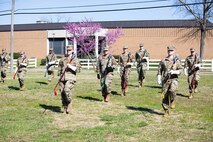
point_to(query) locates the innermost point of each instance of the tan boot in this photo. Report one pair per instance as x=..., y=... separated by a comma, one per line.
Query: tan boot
x=22, y=88
x=126, y=89
x=195, y=90
x=107, y=98
x=166, y=113
x=173, y=105
x=69, y=108
x=123, y=93
x=190, y=96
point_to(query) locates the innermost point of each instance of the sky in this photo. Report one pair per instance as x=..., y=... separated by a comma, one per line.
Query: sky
x=142, y=14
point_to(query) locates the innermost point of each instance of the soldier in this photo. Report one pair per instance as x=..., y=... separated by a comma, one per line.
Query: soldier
x=105, y=66
x=141, y=57
x=169, y=69
x=51, y=60
x=4, y=59
x=125, y=62
x=191, y=69
x=67, y=69
x=21, y=69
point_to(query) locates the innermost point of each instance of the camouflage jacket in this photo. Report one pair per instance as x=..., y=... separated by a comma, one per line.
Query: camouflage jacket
x=4, y=59
x=190, y=61
x=105, y=64
x=21, y=60
x=139, y=56
x=69, y=74
x=124, y=58
x=50, y=58
x=166, y=65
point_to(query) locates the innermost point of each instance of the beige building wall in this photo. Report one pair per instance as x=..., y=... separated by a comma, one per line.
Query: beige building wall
x=34, y=43
x=155, y=41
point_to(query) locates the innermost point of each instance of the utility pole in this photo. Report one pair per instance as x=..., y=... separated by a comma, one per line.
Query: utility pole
x=12, y=35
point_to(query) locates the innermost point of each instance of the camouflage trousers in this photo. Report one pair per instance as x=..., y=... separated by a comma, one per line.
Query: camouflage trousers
x=21, y=75
x=193, y=80
x=141, y=69
x=170, y=87
x=106, y=83
x=3, y=72
x=66, y=94
x=124, y=74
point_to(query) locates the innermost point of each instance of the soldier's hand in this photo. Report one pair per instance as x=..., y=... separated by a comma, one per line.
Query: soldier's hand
x=159, y=79
x=98, y=76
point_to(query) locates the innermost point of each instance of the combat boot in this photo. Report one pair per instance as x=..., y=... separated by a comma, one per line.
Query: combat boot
x=123, y=93
x=173, y=105
x=166, y=113
x=126, y=90
x=69, y=108
x=107, y=98
x=190, y=96
x=22, y=88
x=195, y=90
x=64, y=109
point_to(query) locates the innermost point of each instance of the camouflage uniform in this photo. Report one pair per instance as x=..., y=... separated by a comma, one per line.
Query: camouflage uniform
x=141, y=64
x=169, y=80
x=68, y=80
x=22, y=63
x=51, y=61
x=192, y=72
x=105, y=66
x=4, y=59
x=125, y=70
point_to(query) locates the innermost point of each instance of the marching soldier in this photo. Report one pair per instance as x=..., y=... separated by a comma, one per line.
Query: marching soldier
x=125, y=62
x=21, y=69
x=141, y=57
x=105, y=66
x=67, y=69
x=4, y=59
x=191, y=69
x=51, y=61
x=169, y=69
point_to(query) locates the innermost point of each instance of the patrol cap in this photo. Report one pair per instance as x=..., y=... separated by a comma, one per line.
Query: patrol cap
x=4, y=49
x=106, y=48
x=51, y=49
x=171, y=48
x=125, y=47
x=141, y=44
x=192, y=49
x=69, y=47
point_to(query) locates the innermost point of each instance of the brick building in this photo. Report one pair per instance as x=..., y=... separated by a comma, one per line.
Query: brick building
x=36, y=39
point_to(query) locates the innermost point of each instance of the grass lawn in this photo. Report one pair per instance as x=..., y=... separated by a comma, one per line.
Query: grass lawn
x=34, y=114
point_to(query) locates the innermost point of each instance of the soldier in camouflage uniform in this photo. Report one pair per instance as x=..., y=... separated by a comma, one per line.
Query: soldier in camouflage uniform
x=51, y=61
x=4, y=59
x=105, y=66
x=169, y=69
x=125, y=62
x=67, y=70
x=141, y=57
x=21, y=69
x=191, y=69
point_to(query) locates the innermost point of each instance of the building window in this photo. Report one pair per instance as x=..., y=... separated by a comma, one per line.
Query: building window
x=58, y=45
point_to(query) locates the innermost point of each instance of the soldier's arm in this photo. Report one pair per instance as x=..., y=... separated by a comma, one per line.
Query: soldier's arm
x=179, y=66
x=98, y=66
x=160, y=68
x=60, y=67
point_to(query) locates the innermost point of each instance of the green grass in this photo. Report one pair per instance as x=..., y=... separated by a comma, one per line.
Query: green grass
x=34, y=114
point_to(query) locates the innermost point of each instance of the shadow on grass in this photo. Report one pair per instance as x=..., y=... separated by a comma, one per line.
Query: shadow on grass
x=42, y=83
x=89, y=98
x=150, y=86
x=52, y=108
x=115, y=93
x=13, y=88
x=182, y=95
x=144, y=110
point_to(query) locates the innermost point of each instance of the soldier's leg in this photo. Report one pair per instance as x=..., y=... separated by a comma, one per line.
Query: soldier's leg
x=139, y=70
x=197, y=78
x=108, y=84
x=49, y=72
x=190, y=86
x=21, y=76
x=165, y=103
x=63, y=96
x=3, y=74
x=173, y=89
x=68, y=94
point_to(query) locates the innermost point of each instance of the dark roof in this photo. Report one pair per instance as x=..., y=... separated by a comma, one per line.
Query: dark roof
x=110, y=24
